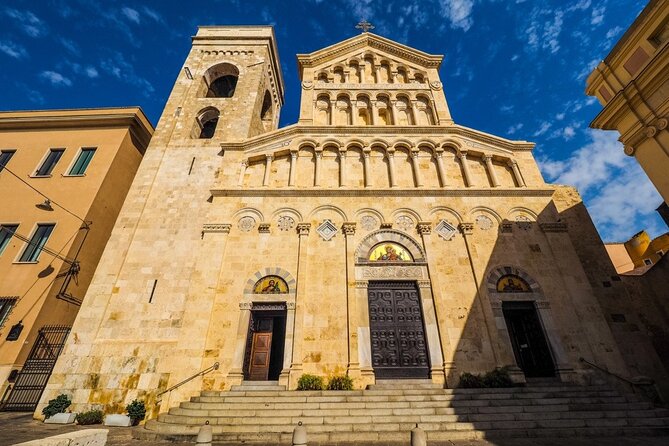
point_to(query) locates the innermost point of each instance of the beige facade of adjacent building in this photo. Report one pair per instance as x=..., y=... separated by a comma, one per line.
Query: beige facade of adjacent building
x=36, y=290
x=632, y=83
x=224, y=201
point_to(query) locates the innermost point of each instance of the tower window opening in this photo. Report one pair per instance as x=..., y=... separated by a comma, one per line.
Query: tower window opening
x=206, y=123
x=220, y=81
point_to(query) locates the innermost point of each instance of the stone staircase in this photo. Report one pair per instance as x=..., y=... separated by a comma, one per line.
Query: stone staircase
x=385, y=413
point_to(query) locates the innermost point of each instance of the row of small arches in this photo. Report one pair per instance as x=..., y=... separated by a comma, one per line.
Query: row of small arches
x=345, y=109
x=366, y=70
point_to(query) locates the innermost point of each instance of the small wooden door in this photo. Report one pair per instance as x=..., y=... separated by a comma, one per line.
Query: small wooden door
x=261, y=350
x=527, y=337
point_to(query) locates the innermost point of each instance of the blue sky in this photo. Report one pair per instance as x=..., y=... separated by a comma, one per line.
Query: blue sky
x=514, y=68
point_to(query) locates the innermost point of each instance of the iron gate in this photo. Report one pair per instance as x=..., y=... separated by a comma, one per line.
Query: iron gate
x=32, y=378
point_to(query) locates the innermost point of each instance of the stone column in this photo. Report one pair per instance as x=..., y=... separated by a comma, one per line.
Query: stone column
x=242, y=172
x=416, y=168
x=333, y=107
x=516, y=173
x=375, y=112
x=302, y=274
x=465, y=168
x=342, y=167
x=364, y=334
x=390, y=153
x=236, y=373
x=353, y=368
x=439, y=156
x=293, y=167
x=491, y=170
x=414, y=112
x=284, y=377
x=317, y=167
x=393, y=112
x=268, y=169
x=431, y=320
x=365, y=160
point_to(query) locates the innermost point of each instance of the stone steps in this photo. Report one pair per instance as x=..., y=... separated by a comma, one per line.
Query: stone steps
x=384, y=415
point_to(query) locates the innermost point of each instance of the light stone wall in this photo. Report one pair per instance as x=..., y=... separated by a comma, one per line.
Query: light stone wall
x=169, y=299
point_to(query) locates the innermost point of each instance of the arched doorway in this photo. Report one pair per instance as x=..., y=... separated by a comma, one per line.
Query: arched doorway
x=401, y=339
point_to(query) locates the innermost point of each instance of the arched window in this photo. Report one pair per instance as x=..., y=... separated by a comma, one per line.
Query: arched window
x=512, y=283
x=221, y=81
x=271, y=285
x=322, y=115
x=390, y=252
x=206, y=123
x=323, y=77
x=266, y=111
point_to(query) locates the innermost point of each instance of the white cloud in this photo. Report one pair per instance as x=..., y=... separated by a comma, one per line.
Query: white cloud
x=56, y=78
x=587, y=69
x=458, y=12
x=580, y=5
x=613, y=32
x=545, y=126
x=91, y=72
x=27, y=21
x=552, y=32
x=70, y=46
x=545, y=34
x=154, y=15
x=13, y=50
x=559, y=116
x=506, y=108
x=131, y=14
x=514, y=57
x=123, y=70
x=598, y=15
x=617, y=192
x=568, y=133
x=514, y=128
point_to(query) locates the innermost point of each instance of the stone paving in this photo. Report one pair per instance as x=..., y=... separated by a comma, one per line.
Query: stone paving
x=20, y=427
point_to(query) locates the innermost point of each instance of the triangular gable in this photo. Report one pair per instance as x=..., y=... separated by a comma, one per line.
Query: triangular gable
x=368, y=40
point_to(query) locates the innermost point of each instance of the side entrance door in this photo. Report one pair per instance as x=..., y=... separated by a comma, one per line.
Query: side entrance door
x=399, y=349
x=528, y=340
x=261, y=349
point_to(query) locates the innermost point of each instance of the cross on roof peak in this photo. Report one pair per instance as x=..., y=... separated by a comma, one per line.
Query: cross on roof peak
x=364, y=25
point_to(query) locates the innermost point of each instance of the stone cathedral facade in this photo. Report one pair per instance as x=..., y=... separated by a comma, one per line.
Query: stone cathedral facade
x=374, y=237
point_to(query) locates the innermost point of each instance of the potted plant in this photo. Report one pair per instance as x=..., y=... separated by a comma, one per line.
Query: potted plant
x=55, y=411
x=136, y=411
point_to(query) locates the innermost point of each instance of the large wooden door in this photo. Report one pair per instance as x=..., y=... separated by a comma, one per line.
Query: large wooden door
x=399, y=349
x=261, y=349
x=528, y=340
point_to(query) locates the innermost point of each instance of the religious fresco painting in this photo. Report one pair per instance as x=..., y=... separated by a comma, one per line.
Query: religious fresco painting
x=390, y=252
x=512, y=284
x=271, y=285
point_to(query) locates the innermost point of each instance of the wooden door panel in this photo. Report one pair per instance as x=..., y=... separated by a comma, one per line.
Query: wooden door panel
x=399, y=349
x=261, y=350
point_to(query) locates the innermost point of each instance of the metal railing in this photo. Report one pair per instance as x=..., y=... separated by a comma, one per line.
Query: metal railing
x=190, y=378
x=647, y=389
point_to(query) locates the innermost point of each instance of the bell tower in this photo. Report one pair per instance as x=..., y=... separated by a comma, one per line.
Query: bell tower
x=230, y=87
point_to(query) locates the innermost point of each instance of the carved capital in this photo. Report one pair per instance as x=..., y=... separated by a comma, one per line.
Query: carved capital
x=361, y=283
x=506, y=227
x=290, y=305
x=414, y=153
x=294, y=154
x=461, y=154
x=303, y=228
x=245, y=164
x=216, y=227
x=424, y=284
x=650, y=131
x=466, y=228
x=424, y=227
x=557, y=226
x=487, y=158
x=245, y=305
x=348, y=228
x=512, y=162
x=662, y=123
x=263, y=228
x=269, y=157
x=629, y=150
x=543, y=304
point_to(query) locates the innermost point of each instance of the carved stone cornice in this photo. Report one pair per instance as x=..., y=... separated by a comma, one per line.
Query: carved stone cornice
x=348, y=228
x=369, y=192
x=216, y=227
x=424, y=227
x=424, y=283
x=245, y=305
x=361, y=283
x=303, y=228
x=466, y=228
x=557, y=226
